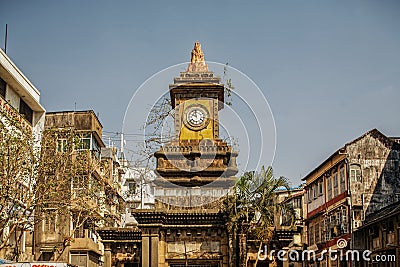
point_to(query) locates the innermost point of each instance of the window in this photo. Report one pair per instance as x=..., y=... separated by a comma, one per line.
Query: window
x=344, y=229
x=84, y=142
x=335, y=185
x=358, y=215
x=311, y=239
x=62, y=145
x=95, y=147
x=355, y=173
x=317, y=236
x=335, y=180
x=329, y=188
x=81, y=229
x=320, y=188
x=46, y=256
x=94, y=183
x=338, y=223
x=325, y=229
x=315, y=190
x=3, y=86
x=89, y=142
x=49, y=222
x=26, y=111
x=342, y=180
x=334, y=229
x=79, y=182
x=132, y=187
x=296, y=202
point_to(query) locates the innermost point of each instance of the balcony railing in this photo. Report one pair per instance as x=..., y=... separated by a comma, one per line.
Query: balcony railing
x=84, y=240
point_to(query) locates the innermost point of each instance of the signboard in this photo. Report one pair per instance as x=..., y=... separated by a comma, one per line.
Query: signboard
x=193, y=247
x=35, y=264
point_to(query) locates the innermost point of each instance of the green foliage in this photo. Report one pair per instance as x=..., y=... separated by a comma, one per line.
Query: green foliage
x=250, y=211
x=252, y=207
x=18, y=167
x=228, y=86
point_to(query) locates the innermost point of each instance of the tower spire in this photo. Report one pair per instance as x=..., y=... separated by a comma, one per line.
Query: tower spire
x=197, y=63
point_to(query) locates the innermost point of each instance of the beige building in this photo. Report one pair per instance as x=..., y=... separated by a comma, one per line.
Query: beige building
x=289, y=231
x=92, y=196
x=356, y=181
x=380, y=234
x=19, y=100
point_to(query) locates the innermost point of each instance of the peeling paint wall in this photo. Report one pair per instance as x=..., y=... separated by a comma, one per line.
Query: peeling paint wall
x=379, y=183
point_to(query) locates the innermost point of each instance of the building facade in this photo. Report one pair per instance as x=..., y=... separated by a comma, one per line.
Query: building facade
x=356, y=181
x=20, y=102
x=87, y=195
x=138, y=188
x=380, y=234
x=19, y=98
x=289, y=228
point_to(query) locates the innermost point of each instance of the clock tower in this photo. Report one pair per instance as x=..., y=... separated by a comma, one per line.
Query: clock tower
x=197, y=156
x=195, y=170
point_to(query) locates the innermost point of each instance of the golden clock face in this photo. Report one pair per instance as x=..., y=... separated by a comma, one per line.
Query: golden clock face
x=196, y=117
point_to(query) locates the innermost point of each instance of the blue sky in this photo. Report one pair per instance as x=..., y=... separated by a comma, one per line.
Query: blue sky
x=329, y=69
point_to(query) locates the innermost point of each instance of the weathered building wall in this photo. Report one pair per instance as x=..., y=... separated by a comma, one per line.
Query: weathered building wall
x=357, y=180
x=70, y=235
x=79, y=120
x=378, y=183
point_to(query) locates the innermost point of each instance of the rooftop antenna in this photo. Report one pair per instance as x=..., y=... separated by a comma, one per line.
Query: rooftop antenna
x=122, y=148
x=5, y=39
x=75, y=107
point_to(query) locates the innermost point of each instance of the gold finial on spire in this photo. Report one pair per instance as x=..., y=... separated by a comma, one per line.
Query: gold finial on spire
x=197, y=63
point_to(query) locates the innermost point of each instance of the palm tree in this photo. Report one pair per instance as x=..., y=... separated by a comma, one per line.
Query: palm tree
x=250, y=210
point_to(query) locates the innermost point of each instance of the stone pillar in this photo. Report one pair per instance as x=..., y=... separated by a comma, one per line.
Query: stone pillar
x=225, y=250
x=161, y=250
x=154, y=249
x=107, y=255
x=145, y=250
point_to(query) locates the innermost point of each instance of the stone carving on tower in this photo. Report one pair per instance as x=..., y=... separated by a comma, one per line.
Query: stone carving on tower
x=197, y=63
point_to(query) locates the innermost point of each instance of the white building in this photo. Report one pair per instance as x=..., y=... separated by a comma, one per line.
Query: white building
x=137, y=188
x=18, y=95
x=19, y=101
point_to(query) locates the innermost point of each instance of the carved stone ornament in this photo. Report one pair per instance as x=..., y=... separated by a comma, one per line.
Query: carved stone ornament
x=197, y=63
